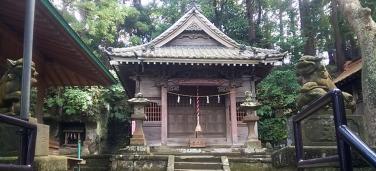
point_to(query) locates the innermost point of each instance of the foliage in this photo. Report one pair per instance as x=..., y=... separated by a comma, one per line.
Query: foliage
x=279, y=90
x=277, y=93
x=72, y=100
x=89, y=101
x=273, y=130
x=116, y=98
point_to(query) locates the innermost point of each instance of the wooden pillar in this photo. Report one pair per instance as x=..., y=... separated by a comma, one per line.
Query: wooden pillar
x=41, y=94
x=234, y=122
x=163, y=115
x=228, y=120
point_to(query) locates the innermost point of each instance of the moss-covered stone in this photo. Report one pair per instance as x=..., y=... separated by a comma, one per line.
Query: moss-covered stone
x=139, y=163
x=51, y=163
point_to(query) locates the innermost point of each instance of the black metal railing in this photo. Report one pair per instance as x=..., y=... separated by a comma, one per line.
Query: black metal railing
x=28, y=138
x=344, y=136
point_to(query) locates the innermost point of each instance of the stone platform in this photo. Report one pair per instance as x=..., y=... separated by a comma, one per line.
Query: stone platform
x=185, y=158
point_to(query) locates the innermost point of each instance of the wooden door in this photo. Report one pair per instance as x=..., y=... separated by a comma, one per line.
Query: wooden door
x=182, y=117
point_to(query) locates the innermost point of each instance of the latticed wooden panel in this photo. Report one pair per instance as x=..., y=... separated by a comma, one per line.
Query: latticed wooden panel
x=153, y=112
x=239, y=113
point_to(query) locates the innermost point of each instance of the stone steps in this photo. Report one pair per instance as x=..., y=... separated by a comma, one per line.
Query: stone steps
x=85, y=168
x=196, y=170
x=96, y=163
x=197, y=163
x=211, y=159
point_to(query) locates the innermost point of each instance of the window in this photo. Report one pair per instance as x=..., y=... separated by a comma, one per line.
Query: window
x=239, y=113
x=153, y=112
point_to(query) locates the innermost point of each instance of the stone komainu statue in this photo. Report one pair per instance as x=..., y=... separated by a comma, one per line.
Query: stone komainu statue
x=316, y=82
x=10, y=86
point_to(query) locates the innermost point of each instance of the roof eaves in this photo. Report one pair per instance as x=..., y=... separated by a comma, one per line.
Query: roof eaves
x=52, y=10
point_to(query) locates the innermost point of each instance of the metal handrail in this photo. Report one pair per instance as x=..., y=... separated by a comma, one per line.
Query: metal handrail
x=29, y=135
x=344, y=136
x=356, y=143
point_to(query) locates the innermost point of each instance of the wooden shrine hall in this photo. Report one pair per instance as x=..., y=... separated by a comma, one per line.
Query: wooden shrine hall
x=193, y=68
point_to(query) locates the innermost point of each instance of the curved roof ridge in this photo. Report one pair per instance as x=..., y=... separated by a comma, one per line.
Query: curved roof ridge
x=216, y=30
x=174, y=27
x=194, y=11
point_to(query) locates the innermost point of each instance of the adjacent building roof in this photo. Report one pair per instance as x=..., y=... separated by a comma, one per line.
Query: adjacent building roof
x=350, y=69
x=61, y=57
x=194, y=39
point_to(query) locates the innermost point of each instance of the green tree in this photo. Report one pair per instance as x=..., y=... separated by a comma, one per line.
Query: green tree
x=361, y=22
x=277, y=93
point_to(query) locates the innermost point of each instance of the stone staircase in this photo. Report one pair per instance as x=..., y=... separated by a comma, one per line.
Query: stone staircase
x=96, y=163
x=198, y=163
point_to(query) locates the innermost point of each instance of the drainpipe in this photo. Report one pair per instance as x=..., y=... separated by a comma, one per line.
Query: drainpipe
x=26, y=75
x=27, y=58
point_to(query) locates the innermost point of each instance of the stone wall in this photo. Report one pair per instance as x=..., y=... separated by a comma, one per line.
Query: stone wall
x=139, y=163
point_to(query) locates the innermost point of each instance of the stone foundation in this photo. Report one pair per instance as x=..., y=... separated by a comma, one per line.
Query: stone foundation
x=139, y=163
x=51, y=163
x=43, y=138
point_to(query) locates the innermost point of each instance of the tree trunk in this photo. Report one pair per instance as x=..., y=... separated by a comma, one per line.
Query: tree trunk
x=339, y=58
x=259, y=15
x=136, y=3
x=280, y=18
x=251, y=23
x=292, y=17
x=364, y=27
x=306, y=27
x=217, y=13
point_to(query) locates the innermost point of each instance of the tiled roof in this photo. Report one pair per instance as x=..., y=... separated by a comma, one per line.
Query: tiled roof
x=349, y=69
x=157, y=51
x=197, y=52
x=193, y=12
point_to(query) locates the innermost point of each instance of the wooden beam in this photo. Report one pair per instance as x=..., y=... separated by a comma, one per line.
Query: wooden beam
x=234, y=122
x=164, y=116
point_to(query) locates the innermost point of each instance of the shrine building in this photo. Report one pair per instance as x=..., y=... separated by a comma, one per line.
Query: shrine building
x=191, y=68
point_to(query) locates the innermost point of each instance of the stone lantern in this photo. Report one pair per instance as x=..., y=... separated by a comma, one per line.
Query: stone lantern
x=250, y=105
x=138, y=102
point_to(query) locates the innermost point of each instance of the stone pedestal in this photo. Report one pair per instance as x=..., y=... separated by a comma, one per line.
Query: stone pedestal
x=43, y=138
x=318, y=129
x=250, y=106
x=138, y=137
x=137, y=142
x=252, y=139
